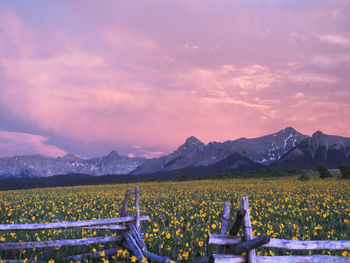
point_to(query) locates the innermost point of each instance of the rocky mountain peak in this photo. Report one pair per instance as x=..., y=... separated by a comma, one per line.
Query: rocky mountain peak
x=193, y=141
x=70, y=157
x=329, y=141
x=113, y=155
x=192, y=144
x=288, y=131
x=319, y=139
x=318, y=133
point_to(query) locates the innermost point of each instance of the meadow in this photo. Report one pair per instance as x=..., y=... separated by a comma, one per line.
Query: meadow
x=183, y=213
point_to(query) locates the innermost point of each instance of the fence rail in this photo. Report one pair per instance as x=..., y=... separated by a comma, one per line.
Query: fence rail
x=67, y=225
x=284, y=243
x=60, y=243
x=225, y=258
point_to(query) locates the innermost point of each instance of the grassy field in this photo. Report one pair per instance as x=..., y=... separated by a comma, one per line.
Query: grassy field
x=183, y=213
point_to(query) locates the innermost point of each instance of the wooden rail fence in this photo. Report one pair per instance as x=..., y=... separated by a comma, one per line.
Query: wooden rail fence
x=121, y=224
x=128, y=235
x=232, y=246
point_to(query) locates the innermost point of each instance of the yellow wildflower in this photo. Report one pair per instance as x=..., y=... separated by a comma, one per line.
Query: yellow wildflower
x=345, y=254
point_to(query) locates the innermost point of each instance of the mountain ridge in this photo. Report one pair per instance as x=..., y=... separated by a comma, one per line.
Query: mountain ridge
x=263, y=150
x=42, y=166
x=284, y=149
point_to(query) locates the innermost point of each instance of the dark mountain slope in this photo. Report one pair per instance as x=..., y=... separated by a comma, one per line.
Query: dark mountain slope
x=330, y=150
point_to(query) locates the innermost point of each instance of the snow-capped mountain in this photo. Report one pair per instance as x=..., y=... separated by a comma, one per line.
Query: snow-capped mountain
x=38, y=165
x=264, y=150
x=284, y=149
x=269, y=148
x=330, y=150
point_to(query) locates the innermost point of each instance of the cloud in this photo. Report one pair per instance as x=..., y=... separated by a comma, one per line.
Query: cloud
x=309, y=77
x=330, y=60
x=168, y=59
x=151, y=154
x=72, y=88
x=191, y=47
x=18, y=143
x=113, y=75
x=142, y=151
x=228, y=68
x=256, y=77
x=233, y=101
x=13, y=35
x=335, y=40
x=299, y=95
x=228, y=76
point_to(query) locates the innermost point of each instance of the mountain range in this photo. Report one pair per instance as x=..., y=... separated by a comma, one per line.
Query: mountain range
x=43, y=166
x=284, y=149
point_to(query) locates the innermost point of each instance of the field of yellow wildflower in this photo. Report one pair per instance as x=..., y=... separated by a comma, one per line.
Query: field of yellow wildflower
x=182, y=213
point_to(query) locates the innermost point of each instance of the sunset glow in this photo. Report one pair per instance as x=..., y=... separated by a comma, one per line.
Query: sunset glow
x=139, y=77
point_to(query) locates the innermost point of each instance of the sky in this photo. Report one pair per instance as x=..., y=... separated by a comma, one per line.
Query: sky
x=139, y=77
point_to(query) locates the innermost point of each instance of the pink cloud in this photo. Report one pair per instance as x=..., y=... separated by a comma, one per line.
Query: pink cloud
x=335, y=40
x=299, y=95
x=327, y=61
x=146, y=152
x=191, y=47
x=307, y=77
x=233, y=101
x=214, y=71
x=18, y=143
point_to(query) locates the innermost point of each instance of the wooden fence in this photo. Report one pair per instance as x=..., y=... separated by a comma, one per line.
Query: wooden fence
x=128, y=235
x=232, y=246
x=121, y=225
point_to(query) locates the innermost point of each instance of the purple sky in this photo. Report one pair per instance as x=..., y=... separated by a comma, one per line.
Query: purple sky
x=142, y=76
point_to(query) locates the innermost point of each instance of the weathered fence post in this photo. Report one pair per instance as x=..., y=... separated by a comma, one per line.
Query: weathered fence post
x=248, y=233
x=125, y=202
x=224, y=223
x=225, y=218
x=137, y=208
